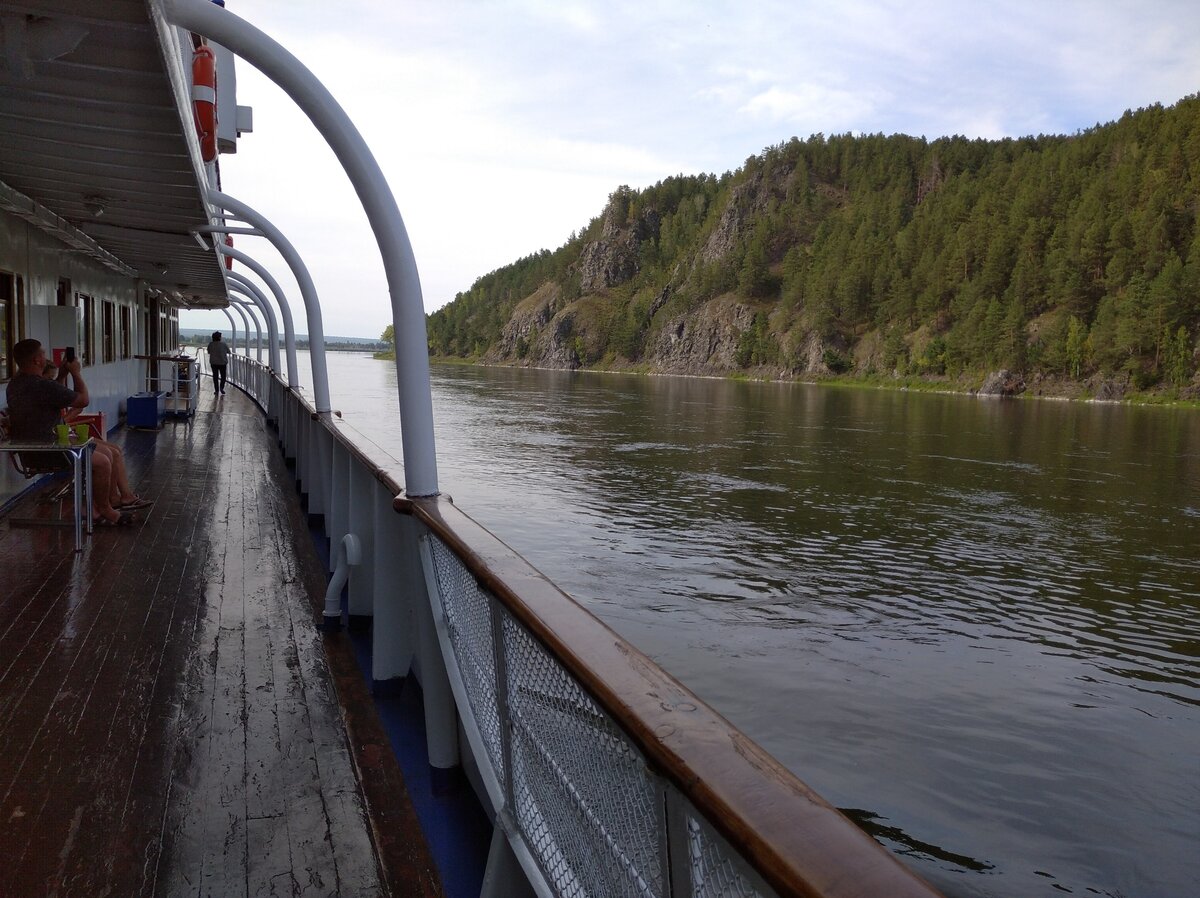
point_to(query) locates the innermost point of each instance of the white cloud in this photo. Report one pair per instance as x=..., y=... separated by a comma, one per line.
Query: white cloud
x=811, y=104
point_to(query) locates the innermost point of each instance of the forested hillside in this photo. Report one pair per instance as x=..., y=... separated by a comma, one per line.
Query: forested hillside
x=1072, y=258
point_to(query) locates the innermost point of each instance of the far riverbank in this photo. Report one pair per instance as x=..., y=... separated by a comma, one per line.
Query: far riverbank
x=1001, y=384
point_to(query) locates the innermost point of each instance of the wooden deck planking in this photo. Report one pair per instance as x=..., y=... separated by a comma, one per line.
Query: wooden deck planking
x=169, y=721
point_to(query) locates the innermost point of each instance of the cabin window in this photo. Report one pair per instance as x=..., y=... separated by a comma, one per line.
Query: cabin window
x=63, y=297
x=148, y=329
x=20, y=333
x=7, y=330
x=108, y=331
x=87, y=327
x=126, y=337
x=164, y=332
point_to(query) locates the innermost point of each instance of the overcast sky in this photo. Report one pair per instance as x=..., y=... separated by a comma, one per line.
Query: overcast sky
x=503, y=126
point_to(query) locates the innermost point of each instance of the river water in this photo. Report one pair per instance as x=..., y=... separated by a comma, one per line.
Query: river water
x=972, y=624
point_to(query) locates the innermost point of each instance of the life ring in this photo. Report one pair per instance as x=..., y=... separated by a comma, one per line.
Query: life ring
x=204, y=100
x=229, y=259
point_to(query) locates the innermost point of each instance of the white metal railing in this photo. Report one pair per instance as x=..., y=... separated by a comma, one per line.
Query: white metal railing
x=580, y=807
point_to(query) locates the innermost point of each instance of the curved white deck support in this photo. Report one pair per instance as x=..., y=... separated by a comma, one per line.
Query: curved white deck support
x=308, y=291
x=285, y=311
x=400, y=267
x=232, y=331
x=245, y=329
x=249, y=289
x=244, y=308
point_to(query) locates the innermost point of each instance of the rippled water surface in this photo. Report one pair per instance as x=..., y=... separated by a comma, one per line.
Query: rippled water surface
x=972, y=624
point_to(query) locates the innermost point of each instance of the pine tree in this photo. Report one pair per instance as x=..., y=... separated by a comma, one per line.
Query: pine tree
x=1076, y=346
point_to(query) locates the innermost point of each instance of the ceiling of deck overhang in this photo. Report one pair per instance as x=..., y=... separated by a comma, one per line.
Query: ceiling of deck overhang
x=92, y=132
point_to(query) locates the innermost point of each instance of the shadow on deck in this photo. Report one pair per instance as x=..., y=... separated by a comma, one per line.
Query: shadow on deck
x=169, y=714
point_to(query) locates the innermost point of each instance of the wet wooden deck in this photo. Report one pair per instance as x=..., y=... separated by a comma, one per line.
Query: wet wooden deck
x=169, y=715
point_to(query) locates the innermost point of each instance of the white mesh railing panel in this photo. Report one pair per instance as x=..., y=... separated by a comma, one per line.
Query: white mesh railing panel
x=713, y=866
x=588, y=808
x=589, y=812
x=469, y=624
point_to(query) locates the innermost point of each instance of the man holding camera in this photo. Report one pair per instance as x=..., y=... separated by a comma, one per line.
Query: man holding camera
x=34, y=407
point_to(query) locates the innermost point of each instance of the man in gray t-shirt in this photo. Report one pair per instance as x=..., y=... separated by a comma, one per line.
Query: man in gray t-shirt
x=35, y=405
x=218, y=360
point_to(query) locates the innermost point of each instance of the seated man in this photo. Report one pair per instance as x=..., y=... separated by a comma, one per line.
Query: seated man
x=34, y=406
x=121, y=494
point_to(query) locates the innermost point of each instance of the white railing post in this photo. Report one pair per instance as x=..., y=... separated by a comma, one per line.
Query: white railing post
x=325, y=467
x=503, y=876
x=398, y=587
x=361, y=520
x=337, y=519
x=441, y=718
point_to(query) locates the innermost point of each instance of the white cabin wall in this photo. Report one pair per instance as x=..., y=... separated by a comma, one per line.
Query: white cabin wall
x=40, y=261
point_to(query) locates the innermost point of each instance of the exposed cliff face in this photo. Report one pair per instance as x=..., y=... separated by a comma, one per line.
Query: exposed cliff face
x=545, y=330
x=747, y=201
x=612, y=259
x=703, y=342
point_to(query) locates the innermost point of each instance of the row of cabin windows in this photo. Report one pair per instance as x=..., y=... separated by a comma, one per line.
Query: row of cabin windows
x=115, y=324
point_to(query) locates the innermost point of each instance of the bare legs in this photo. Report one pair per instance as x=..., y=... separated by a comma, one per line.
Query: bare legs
x=110, y=482
x=102, y=486
x=119, y=490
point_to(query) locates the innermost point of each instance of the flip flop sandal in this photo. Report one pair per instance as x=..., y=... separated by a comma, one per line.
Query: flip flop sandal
x=137, y=502
x=125, y=520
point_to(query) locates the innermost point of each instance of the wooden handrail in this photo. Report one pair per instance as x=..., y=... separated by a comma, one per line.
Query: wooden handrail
x=799, y=843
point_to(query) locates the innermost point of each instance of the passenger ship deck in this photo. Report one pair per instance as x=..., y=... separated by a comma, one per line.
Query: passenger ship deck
x=173, y=721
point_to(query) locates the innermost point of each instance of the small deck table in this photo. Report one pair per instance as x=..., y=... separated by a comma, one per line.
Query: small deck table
x=81, y=470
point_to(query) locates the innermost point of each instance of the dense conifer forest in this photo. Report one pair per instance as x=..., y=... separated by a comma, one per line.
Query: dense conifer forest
x=1070, y=257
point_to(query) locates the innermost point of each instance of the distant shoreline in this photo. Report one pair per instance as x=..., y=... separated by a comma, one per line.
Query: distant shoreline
x=1057, y=390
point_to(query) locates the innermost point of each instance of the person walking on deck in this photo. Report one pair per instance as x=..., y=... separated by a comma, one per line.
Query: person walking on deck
x=218, y=360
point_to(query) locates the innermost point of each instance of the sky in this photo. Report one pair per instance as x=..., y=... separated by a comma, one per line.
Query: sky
x=502, y=127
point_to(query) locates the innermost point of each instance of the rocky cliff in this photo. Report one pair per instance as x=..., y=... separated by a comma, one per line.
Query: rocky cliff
x=880, y=256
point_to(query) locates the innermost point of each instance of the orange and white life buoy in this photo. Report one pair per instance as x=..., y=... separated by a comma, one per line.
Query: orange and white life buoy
x=229, y=259
x=204, y=100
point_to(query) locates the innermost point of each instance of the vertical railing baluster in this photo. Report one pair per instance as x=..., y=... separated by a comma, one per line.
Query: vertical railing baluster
x=441, y=720
x=500, y=664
